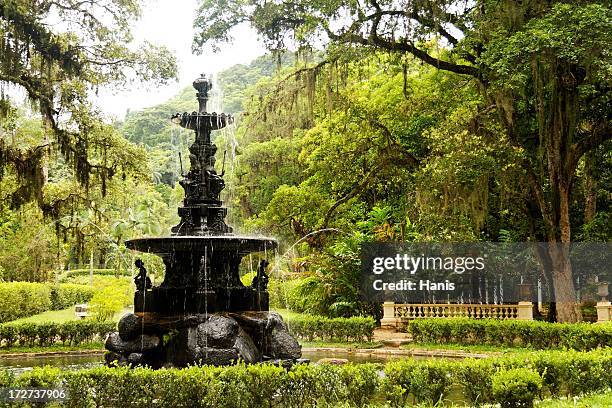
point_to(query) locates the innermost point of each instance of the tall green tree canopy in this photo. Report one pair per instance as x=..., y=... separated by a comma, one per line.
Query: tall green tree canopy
x=59, y=52
x=544, y=67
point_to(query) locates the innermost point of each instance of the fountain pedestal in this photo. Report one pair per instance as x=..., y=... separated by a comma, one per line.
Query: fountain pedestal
x=202, y=313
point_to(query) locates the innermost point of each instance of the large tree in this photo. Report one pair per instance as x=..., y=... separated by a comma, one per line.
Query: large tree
x=544, y=66
x=59, y=52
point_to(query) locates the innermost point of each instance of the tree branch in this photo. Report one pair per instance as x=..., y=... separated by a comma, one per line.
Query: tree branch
x=536, y=189
x=598, y=136
x=357, y=188
x=406, y=46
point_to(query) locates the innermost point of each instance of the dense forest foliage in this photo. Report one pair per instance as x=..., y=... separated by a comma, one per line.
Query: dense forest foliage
x=435, y=122
x=542, y=75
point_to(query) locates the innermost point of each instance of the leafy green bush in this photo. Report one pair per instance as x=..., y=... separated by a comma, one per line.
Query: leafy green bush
x=105, y=303
x=424, y=381
x=247, y=278
x=311, y=328
x=541, y=335
x=96, y=272
x=100, y=281
x=23, y=299
x=517, y=387
x=49, y=333
x=68, y=294
x=573, y=373
x=285, y=294
x=509, y=380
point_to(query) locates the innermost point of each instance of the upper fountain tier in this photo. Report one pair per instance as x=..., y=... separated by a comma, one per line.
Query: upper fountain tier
x=202, y=122
x=202, y=213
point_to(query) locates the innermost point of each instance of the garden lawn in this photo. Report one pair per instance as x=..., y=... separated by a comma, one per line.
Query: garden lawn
x=341, y=344
x=288, y=314
x=97, y=345
x=59, y=316
x=479, y=348
x=603, y=400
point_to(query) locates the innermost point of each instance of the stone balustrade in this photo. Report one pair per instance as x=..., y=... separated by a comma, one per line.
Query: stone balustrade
x=395, y=313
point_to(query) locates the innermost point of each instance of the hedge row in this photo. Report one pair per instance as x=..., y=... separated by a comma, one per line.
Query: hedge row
x=100, y=272
x=68, y=294
x=540, y=335
x=512, y=381
x=341, y=328
x=23, y=299
x=306, y=327
x=46, y=334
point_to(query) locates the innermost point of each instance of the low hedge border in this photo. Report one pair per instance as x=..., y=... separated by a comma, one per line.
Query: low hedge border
x=24, y=299
x=47, y=334
x=305, y=327
x=404, y=382
x=311, y=328
x=511, y=333
x=98, y=272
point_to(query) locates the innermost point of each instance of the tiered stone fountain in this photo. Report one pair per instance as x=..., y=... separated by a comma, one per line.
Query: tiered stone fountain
x=201, y=313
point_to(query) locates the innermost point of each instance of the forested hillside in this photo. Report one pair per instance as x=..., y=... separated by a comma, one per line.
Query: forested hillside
x=163, y=140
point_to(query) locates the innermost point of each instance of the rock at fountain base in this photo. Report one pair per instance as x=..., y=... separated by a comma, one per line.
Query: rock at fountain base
x=217, y=339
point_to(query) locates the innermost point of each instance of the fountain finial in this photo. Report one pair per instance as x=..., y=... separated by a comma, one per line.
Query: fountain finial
x=202, y=85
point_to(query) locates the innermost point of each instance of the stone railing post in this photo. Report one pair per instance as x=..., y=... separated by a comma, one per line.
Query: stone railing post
x=525, y=311
x=604, y=312
x=388, y=320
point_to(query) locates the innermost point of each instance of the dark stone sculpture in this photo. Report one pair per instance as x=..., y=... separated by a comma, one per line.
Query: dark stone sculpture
x=260, y=281
x=201, y=313
x=142, y=281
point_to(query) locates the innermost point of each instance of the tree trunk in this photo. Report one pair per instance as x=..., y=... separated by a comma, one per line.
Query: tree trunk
x=559, y=122
x=563, y=283
x=590, y=188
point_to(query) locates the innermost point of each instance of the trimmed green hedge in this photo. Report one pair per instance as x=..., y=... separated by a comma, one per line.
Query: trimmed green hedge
x=341, y=328
x=100, y=272
x=517, y=387
x=540, y=335
x=306, y=327
x=46, y=334
x=69, y=294
x=404, y=382
x=23, y=299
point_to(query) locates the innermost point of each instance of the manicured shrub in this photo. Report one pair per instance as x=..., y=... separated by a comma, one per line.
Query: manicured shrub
x=541, y=335
x=424, y=381
x=511, y=381
x=311, y=328
x=105, y=303
x=475, y=380
x=517, y=387
x=68, y=294
x=49, y=333
x=24, y=299
x=97, y=272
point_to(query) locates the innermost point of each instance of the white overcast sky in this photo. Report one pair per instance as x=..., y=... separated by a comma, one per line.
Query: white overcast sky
x=170, y=23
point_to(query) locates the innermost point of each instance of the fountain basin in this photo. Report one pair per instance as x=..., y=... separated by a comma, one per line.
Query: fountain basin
x=202, y=120
x=202, y=274
x=235, y=243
